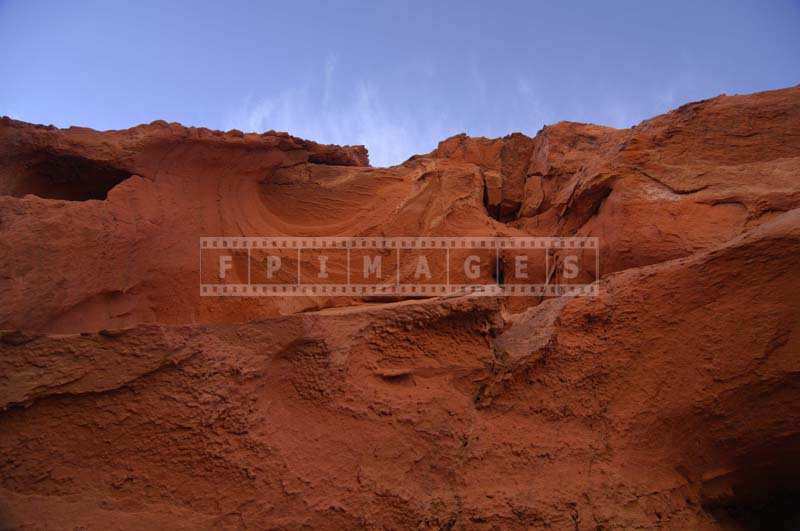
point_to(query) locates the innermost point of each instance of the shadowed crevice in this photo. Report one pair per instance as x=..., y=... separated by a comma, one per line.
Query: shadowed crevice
x=68, y=177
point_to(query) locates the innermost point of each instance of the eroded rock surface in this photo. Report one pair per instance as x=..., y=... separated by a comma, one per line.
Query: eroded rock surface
x=669, y=401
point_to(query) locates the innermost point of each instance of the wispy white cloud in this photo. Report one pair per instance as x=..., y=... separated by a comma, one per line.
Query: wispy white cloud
x=330, y=65
x=619, y=115
x=477, y=79
x=681, y=85
x=341, y=111
x=531, y=114
x=362, y=116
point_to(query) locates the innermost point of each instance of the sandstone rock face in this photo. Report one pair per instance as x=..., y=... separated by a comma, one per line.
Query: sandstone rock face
x=127, y=400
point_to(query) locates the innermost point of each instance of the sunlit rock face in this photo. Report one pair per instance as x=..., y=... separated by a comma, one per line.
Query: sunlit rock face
x=128, y=400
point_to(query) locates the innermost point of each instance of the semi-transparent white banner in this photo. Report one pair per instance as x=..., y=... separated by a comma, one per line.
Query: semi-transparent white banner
x=398, y=266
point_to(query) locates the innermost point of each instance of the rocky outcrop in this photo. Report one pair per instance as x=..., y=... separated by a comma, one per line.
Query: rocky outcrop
x=668, y=401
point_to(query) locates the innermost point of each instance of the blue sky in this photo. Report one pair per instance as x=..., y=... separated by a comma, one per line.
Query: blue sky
x=395, y=76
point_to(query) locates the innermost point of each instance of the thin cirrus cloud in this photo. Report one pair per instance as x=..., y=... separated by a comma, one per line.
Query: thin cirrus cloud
x=361, y=116
x=337, y=110
x=397, y=77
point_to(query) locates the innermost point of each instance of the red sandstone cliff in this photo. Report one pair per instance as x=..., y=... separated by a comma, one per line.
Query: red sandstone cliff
x=129, y=401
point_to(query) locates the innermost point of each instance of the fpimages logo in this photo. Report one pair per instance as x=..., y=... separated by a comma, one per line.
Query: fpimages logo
x=404, y=266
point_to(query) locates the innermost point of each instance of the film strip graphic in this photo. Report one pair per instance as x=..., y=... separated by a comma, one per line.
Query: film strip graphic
x=398, y=266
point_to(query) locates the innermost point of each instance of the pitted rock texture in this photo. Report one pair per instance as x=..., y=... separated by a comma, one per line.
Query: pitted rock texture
x=127, y=401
